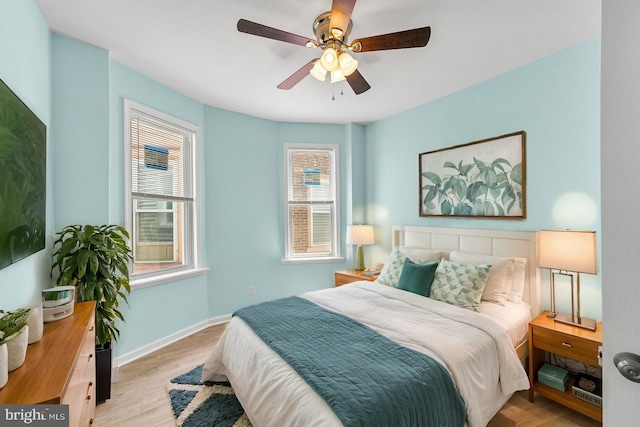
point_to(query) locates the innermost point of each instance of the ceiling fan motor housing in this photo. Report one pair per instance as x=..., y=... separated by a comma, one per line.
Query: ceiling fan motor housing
x=322, y=30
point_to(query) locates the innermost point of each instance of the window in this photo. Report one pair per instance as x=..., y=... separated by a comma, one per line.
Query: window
x=311, y=191
x=162, y=213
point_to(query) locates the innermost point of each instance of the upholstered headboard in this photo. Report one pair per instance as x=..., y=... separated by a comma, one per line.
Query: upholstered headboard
x=521, y=244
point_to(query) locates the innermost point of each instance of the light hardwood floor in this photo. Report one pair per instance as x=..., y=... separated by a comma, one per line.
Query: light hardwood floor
x=140, y=399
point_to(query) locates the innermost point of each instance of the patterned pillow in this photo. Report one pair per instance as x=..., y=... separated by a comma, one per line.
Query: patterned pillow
x=500, y=274
x=459, y=284
x=390, y=274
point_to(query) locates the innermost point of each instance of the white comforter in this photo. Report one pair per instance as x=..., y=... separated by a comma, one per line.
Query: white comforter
x=475, y=350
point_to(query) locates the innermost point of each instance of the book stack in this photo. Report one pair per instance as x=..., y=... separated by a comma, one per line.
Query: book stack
x=553, y=376
x=588, y=388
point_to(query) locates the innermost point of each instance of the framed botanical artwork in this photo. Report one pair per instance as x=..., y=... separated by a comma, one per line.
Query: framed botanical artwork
x=484, y=179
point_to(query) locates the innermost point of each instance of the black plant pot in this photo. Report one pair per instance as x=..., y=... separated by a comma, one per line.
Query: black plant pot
x=103, y=372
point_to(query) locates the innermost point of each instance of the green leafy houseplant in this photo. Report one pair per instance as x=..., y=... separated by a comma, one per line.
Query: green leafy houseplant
x=95, y=259
x=12, y=323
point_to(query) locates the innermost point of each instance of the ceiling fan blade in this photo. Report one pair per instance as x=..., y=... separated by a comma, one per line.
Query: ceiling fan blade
x=358, y=83
x=256, y=29
x=417, y=37
x=297, y=77
x=341, y=14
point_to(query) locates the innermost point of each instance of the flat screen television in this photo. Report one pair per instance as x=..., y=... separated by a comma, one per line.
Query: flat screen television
x=23, y=186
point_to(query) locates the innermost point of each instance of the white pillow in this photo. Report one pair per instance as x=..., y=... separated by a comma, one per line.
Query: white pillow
x=420, y=254
x=498, y=287
x=517, y=284
x=390, y=274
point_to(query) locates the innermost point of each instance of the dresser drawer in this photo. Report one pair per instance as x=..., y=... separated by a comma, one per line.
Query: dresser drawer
x=80, y=393
x=570, y=346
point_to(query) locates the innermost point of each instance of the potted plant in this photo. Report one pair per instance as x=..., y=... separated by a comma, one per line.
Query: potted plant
x=12, y=326
x=95, y=259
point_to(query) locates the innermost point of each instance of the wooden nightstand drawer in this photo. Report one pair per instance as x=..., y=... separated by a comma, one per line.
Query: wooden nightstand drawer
x=569, y=346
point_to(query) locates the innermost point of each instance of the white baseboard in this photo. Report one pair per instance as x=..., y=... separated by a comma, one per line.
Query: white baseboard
x=163, y=342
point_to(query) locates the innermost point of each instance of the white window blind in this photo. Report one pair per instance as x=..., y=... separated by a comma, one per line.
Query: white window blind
x=161, y=159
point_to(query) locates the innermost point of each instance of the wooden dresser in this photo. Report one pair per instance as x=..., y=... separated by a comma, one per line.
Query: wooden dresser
x=60, y=368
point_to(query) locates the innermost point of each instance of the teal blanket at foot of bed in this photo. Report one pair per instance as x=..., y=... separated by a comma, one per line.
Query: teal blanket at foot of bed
x=365, y=378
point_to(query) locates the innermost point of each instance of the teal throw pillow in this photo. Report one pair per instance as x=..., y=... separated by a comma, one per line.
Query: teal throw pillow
x=417, y=278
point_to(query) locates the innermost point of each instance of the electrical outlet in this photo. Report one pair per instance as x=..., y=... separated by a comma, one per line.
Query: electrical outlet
x=252, y=291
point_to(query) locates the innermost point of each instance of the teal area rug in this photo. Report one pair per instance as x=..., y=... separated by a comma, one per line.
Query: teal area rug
x=205, y=404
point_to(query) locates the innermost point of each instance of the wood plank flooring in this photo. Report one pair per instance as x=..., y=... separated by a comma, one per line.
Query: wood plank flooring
x=139, y=398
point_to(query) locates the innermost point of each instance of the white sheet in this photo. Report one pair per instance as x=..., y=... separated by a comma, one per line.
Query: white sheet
x=513, y=318
x=474, y=349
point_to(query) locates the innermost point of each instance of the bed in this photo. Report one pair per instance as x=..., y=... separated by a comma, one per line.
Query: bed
x=480, y=351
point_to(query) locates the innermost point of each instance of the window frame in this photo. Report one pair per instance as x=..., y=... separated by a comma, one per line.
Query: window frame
x=335, y=255
x=192, y=240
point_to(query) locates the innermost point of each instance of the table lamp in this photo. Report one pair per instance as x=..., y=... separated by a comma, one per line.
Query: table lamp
x=569, y=253
x=359, y=235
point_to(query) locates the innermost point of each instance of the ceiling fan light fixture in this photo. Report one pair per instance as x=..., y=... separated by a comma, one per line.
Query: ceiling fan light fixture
x=337, y=76
x=318, y=71
x=329, y=59
x=347, y=64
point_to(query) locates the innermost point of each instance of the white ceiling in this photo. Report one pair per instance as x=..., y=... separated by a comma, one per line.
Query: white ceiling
x=193, y=47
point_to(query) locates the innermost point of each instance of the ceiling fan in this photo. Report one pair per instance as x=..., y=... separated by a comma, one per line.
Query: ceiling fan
x=331, y=30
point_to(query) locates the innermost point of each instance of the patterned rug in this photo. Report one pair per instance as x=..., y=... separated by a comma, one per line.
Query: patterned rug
x=208, y=404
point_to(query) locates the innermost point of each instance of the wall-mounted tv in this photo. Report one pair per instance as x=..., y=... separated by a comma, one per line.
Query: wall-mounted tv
x=23, y=186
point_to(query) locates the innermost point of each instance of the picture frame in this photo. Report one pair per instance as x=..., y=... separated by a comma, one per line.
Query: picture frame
x=23, y=179
x=480, y=179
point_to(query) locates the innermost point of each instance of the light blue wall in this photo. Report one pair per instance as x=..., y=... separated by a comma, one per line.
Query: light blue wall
x=88, y=93
x=25, y=67
x=245, y=210
x=81, y=164
x=157, y=311
x=556, y=100
x=243, y=219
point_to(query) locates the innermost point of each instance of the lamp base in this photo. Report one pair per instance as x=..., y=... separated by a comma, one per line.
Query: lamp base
x=581, y=322
x=359, y=259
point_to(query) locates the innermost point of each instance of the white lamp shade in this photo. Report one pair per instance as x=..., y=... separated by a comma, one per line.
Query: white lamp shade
x=329, y=59
x=318, y=71
x=359, y=235
x=347, y=64
x=337, y=76
x=568, y=250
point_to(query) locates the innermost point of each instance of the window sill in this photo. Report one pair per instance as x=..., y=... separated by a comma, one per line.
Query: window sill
x=312, y=260
x=167, y=277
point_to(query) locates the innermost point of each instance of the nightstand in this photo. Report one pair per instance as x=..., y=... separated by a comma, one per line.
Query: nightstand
x=546, y=335
x=348, y=276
